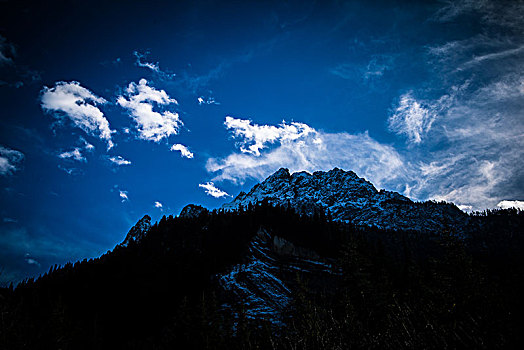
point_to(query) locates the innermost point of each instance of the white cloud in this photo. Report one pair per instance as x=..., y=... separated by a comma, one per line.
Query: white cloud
x=511, y=204
x=158, y=204
x=472, y=153
x=119, y=160
x=80, y=106
x=212, y=190
x=474, y=149
x=155, y=67
x=139, y=57
x=301, y=147
x=87, y=146
x=10, y=160
x=151, y=125
x=207, y=101
x=75, y=154
x=254, y=137
x=411, y=118
x=184, y=151
x=123, y=195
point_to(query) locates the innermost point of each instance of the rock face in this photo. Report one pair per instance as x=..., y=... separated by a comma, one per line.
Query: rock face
x=137, y=232
x=351, y=199
x=192, y=211
x=262, y=284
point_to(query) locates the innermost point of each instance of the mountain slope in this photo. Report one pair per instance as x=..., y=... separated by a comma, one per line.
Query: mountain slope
x=351, y=199
x=268, y=277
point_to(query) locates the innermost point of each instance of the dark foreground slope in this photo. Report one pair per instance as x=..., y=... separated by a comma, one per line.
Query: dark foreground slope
x=267, y=277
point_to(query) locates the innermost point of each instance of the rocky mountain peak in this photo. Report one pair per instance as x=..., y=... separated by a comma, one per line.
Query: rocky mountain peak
x=351, y=199
x=138, y=231
x=192, y=211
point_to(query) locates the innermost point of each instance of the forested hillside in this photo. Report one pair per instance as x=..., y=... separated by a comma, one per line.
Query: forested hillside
x=388, y=289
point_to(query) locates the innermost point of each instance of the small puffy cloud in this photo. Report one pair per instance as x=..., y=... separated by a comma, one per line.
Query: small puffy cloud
x=75, y=154
x=151, y=125
x=69, y=99
x=10, y=160
x=511, y=204
x=123, y=195
x=184, y=151
x=89, y=147
x=158, y=204
x=212, y=190
x=207, y=101
x=254, y=137
x=31, y=261
x=119, y=160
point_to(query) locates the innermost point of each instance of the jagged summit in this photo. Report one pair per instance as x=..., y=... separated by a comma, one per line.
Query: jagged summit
x=192, y=211
x=137, y=232
x=351, y=199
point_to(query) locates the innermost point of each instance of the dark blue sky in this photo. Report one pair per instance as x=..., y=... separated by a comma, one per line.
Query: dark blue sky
x=115, y=110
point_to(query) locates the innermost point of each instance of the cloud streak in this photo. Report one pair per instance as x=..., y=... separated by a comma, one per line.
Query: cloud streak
x=213, y=191
x=75, y=154
x=154, y=67
x=119, y=160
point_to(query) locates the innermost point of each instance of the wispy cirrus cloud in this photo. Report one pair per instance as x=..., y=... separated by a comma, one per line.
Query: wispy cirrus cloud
x=184, y=151
x=213, y=191
x=366, y=72
x=152, y=125
x=469, y=141
x=78, y=104
x=411, y=118
x=141, y=61
x=10, y=160
x=506, y=14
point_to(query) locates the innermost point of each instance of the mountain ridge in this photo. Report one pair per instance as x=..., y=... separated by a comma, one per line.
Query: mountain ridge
x=351, y=199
